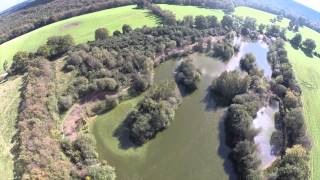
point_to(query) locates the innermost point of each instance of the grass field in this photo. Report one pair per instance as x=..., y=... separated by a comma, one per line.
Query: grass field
x=307, y=71
x=181, y=11
x=81, y=28
x=10, y=99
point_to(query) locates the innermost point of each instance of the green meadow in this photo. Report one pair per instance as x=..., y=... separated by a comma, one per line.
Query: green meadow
x=10, y=99
x=181, y=11
x=81, y=28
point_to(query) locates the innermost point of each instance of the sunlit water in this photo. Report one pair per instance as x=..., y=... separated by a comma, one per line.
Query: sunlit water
x=265, y=123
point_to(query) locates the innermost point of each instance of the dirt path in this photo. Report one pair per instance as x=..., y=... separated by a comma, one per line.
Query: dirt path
x=77, y=115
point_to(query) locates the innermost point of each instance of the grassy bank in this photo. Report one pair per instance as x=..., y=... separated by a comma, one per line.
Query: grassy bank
x=81, y=28
x=10, y=99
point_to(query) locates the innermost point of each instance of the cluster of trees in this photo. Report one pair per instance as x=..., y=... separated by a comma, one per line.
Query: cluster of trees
x=230, y=84
x=39, y=155
x=82, y=152
x=240, y=133
x=308, y=45
x=154, y=113
x=290, y=124
x=188, y=75
x=56, y=46
x=223, y=50
x=41, y=13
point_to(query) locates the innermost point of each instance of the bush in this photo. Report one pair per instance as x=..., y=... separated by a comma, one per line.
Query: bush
x=223, y=50
x=59, y=45
x=154, y=113
x=246, y=161
x=65, y=102
x=20, y=63
x=107, y=84
x=248, y=62
x=101, y=34
x=230, y=84
x=187, y=75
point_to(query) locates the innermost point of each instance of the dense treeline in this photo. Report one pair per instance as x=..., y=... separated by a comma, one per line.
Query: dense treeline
x=40, y=14
x=82, y=153
x=154, y=113
x=245, y=97
x=122, y=61
x=39, y=154
x=291, y=135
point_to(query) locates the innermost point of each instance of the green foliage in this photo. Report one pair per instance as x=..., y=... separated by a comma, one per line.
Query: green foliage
x=20, y=63
x=309, y=45
x=154, y=113
x=201, y=22
x=101, y=34
x=248, y=63
x=223, y=50
x=227, y=22
x=59, y=45
x=244, y=155
x=101, y=171
x=187, y=75
x=296, y=40
x=230, y=84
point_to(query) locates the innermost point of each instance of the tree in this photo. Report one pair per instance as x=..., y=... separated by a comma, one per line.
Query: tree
x=246, y=160
x=262, y=28
x=230, y=84
x=101, y=171
x=201, y=22
x=309, y=45
x=187, y=75
x=101, y=34
x=59, y=45
x=247, y=63
x=227, y=22
x=126, y=29
x=20, y=63
x=294, y=164
x=223, y=50
x=296, y=40
x=212, y=21
x=5, y=67
x=188, y=21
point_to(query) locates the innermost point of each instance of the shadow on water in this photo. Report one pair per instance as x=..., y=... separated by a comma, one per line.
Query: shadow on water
x=212, y=103
x=122, y=134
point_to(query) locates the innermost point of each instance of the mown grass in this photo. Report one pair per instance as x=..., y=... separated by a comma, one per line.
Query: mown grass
x=307, y=72
x=81, y=28
x=181, y=11
x=10, y=99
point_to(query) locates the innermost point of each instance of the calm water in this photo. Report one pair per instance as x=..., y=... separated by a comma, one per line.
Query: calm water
x=191, y=148
x=265, y=122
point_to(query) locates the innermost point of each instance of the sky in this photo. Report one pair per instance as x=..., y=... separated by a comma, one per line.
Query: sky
x=313, y=4
x=5, y=4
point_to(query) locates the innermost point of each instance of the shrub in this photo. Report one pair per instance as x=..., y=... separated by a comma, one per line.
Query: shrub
x=230, y=84
x=187, y=75
x=101, y=34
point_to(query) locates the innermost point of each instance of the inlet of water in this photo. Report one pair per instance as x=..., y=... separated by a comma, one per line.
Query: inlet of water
x=265, y=123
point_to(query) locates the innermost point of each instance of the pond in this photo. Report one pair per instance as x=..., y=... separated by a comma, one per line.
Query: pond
x=265, y=122
x=259, y=49
x=191, y=148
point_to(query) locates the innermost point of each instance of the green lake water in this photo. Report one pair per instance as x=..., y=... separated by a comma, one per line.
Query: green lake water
x=192, y=148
